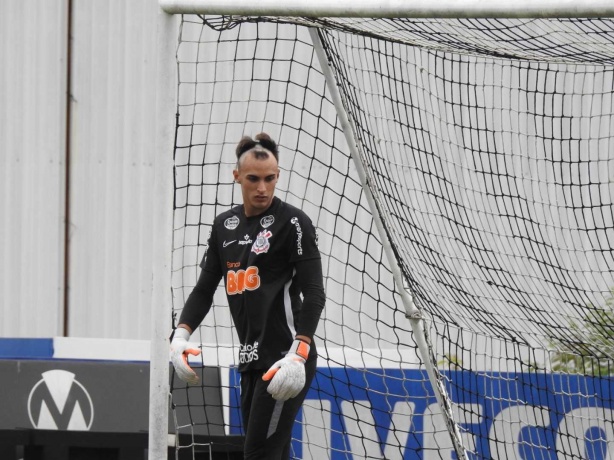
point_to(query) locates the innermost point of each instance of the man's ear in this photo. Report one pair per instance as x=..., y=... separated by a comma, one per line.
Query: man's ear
x=235, y=174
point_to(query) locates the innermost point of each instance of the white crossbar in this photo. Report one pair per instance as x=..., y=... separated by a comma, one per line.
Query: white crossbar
x=397, y=8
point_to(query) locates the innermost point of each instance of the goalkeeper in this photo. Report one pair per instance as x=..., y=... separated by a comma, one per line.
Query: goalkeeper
x=266, y=251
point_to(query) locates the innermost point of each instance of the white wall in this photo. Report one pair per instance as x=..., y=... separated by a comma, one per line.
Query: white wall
x=112, y=150
x=111, y=145
x=33, y=37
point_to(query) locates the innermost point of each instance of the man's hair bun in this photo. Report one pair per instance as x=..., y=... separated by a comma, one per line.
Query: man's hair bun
x=262, y=140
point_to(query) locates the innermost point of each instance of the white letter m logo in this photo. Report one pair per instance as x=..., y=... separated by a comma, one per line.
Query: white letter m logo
x=59, y=402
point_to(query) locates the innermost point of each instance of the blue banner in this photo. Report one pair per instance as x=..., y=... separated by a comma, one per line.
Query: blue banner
x=393, y=414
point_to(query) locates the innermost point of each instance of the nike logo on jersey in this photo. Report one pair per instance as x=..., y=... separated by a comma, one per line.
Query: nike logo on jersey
x=227, y=243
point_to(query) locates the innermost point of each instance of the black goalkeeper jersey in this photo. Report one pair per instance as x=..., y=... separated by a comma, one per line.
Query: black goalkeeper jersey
x=256, y=257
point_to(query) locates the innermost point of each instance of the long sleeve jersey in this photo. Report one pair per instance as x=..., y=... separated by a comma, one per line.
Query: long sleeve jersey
x=272, y=273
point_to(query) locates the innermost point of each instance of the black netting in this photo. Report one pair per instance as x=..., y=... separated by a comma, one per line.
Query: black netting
x=487, y=147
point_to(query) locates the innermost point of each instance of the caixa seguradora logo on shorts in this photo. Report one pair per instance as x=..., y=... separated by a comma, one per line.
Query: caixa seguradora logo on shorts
x=60, y=402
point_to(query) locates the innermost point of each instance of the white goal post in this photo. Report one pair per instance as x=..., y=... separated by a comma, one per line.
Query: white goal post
x=162, y=249
x=396, y=8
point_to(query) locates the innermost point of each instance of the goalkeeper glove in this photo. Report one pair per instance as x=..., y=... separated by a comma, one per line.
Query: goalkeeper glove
x=287, y=375
x=180, y=349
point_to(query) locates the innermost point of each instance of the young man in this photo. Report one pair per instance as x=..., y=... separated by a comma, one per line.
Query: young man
x=266, y=251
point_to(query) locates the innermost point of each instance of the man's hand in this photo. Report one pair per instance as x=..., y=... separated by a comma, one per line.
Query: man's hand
x=287, y=375
x=180, y=349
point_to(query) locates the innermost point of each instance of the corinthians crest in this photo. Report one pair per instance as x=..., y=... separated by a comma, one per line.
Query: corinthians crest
x=262, y=245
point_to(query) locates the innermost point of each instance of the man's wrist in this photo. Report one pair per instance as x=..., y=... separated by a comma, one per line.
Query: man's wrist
x=300, y=348
x=181, y=333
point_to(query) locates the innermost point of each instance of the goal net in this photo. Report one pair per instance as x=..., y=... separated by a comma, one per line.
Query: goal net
x=478, y=152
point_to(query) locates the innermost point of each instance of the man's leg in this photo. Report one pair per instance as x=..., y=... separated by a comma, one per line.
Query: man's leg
x=269, y=422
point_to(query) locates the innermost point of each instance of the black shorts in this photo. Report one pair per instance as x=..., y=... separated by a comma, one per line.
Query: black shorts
x=268, y=423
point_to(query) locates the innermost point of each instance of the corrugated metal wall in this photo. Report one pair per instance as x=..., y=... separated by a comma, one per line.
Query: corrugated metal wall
x=111, y=145
x=33, y=37
x=112, y=149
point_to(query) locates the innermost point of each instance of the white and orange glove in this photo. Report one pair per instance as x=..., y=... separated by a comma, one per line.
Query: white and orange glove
x=287, y=375
x=180, y=349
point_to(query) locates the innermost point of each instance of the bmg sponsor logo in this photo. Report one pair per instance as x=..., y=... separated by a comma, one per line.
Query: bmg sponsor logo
x=60, y=402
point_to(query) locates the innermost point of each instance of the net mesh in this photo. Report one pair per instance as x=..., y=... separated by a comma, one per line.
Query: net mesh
x=486, y=145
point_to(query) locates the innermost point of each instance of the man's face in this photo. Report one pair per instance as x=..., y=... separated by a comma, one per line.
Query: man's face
x=258, y=178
